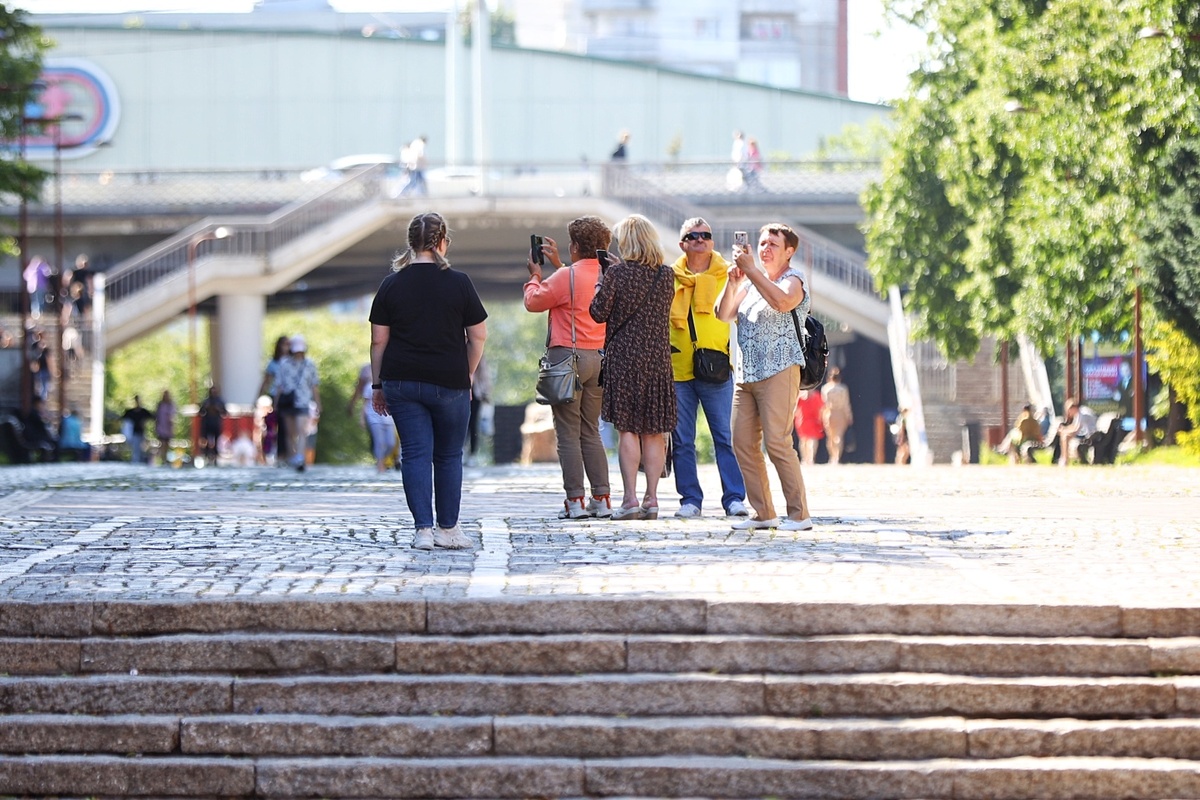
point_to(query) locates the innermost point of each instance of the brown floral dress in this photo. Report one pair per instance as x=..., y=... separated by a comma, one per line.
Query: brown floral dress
x=639, y=387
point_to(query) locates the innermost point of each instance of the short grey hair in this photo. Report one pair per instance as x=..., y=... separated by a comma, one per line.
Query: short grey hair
x=691, y=223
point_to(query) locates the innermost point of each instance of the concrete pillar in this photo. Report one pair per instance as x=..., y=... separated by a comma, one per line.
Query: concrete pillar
x=235, y=339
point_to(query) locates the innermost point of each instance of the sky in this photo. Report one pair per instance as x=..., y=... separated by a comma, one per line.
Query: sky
x=881, y=55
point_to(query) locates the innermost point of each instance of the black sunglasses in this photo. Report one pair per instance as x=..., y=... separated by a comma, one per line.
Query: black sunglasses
x=695, y=235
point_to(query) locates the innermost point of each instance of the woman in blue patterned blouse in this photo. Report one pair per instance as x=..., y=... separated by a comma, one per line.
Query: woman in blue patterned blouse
x=761, y=300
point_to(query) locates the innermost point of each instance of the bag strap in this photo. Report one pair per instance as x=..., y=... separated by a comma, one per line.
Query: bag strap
x=612, y=334
x=692, y=326
x=571, y=277
x=796, y=322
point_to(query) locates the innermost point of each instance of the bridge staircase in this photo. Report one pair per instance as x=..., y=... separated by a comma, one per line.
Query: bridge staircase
x=593, y=697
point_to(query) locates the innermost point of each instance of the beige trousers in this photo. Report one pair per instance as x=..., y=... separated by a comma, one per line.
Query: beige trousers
x=762, y=416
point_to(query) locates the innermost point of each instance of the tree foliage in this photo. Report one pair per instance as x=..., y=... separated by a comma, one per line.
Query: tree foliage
x=1172, y=242
x=21, y=49
x=1022, y=161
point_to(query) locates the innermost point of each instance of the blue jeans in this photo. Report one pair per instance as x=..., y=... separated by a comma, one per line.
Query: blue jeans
x=717, y=402
x=431, y=421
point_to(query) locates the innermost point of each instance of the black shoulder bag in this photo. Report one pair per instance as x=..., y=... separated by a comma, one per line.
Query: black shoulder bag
x=710, y=366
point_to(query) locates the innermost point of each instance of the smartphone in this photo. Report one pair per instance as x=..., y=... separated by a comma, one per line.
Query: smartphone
x=535, y=249
x=741, y=241
x=602, y=257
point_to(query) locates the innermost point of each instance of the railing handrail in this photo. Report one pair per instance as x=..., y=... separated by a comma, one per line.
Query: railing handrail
x=170, y=255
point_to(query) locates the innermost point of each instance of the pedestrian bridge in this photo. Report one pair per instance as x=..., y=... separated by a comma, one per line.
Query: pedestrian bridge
x=238, y=261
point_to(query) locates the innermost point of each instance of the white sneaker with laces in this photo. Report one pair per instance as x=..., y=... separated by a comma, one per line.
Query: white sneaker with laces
x=755, y=524
x=423, y=539
x=790, y=524
x=451, y=538
x=573, y=509
x=600, y=507
x=687, y=511
x=738, y=509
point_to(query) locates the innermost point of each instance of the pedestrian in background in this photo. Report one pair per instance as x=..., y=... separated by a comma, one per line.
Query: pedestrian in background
x=164, y=425
x=133, y=425
x=809, y=429
x=838, y=414
x=299, y=392
x=428, y=328
x=761, y=300
x=567, y=297
x=212, y=424
x=279, y=445
x=701, y=274
x=634, y=299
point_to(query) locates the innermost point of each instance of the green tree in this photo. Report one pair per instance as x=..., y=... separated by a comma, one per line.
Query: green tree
x=1172, y=242
x=1028, y=144
x=21, y=48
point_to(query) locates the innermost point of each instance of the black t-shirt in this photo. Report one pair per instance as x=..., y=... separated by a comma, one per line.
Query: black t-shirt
x=427, y=310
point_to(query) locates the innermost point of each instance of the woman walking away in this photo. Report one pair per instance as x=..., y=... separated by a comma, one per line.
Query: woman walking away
x=634, y=299
x=427, y=334
x=567, y=295
x=768, y=379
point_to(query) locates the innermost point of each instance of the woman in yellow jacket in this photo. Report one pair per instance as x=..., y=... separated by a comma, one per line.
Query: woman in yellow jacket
x=700, y=277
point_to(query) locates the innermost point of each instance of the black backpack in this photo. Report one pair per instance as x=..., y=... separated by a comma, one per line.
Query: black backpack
x=816, y=351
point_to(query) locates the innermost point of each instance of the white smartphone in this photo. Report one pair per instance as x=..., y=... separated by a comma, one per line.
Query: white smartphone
x=741, y=243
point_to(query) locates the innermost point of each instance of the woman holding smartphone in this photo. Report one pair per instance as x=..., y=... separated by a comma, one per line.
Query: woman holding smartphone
x=762, y=299
x=581, y=452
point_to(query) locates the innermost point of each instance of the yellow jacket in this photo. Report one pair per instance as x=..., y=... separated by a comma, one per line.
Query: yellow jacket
x=700, y=292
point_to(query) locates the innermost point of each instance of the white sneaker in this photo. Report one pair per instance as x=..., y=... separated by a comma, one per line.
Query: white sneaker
x=687, y=511
x=738, y=509
x=789, y=524
x=451, y=538
x=423, y=540
x=755, y=524
x=600, y=507
x=573, y=509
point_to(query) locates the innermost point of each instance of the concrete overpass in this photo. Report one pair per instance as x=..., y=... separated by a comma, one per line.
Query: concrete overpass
x=362, y=217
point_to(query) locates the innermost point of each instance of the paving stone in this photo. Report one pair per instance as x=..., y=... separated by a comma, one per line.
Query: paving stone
x=465, y=778
x=1139, y=738
x=291, y=735
x=236, y=653
x=38, y=656
x=555, y=615
x=46, y=733
x=113, y=776
x=422, y=694
x=527, y=655
x=114, y=695
x=740, y=654
x=920, y=695
x=372, y=615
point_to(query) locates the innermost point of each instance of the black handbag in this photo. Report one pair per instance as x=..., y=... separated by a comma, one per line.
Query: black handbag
x=558, y=381
x=710, y=366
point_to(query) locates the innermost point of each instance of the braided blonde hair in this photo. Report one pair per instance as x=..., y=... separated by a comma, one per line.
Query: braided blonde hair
x=425, y=233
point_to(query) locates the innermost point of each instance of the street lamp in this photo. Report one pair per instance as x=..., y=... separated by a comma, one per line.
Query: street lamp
x=218, y=233
x=59, y=253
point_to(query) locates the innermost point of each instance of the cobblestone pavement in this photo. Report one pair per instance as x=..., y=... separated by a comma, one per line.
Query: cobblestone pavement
x=1042, y=535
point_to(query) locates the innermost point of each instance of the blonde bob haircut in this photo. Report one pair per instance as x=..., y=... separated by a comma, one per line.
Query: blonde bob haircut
x=637, y=241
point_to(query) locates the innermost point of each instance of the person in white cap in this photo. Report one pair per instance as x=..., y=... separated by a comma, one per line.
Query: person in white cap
x=299, y=395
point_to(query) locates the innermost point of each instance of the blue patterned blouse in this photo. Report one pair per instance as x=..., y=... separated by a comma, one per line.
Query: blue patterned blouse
x=767, y=337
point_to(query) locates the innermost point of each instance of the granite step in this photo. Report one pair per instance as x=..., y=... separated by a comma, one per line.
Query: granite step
x=849, y=739
x=583, y=615
x=316, y=653
x=633, y=694
x=703, y=776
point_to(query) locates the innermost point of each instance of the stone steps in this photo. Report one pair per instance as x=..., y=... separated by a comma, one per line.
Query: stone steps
x=590, y=697
x=242, y=653
x=849, y=739
x=695, y=776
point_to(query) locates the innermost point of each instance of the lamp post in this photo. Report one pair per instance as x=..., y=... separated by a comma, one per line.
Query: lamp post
x=193, y=245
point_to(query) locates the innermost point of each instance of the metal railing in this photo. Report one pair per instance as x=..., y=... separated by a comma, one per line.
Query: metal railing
x=637, y=189
x=256, y=237
x=261, y=190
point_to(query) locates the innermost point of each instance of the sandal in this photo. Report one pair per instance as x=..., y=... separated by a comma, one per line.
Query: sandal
x=632, y=512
